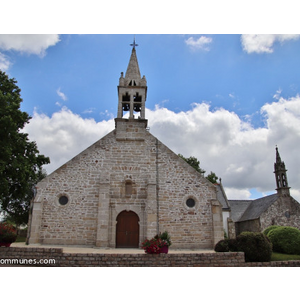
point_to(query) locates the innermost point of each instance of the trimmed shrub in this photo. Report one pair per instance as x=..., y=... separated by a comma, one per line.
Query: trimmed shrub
x=285, y=239
x=268, y=229
x=227, y=245
x=233, y=245
x=222, y=246
x=256, y=246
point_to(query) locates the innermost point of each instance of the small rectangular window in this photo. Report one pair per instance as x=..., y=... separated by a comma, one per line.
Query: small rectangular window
x=128, y=188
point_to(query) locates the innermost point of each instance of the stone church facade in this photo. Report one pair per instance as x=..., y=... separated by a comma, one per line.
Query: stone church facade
x=126, y=187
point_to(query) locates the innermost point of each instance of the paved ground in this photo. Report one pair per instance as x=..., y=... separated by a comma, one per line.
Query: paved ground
x=82, y=249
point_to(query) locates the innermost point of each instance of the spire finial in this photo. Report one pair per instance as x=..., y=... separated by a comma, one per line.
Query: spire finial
x=134, y=44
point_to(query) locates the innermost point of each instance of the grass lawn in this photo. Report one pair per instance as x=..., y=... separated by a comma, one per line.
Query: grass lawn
x=282, y=257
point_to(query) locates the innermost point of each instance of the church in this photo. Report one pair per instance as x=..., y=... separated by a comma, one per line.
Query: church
x=256, y=215
x=126, y=187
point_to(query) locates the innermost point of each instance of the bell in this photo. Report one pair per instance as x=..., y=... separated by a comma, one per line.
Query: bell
x=126, y=107
x=137, y=108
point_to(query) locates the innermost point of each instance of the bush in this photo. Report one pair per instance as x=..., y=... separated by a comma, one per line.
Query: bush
x=222, y=246
x=285, y=239
x=233, y=245
x=226, y=245
x=268, y=229
x=256, y=246
x=8, y=233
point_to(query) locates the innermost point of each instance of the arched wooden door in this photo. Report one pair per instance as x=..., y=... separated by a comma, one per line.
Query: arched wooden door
x=128, y=230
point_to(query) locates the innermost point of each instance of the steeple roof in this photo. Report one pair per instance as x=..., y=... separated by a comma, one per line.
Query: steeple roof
x=278, y=158
x=279, y=165
x=133, y=70
x=280, y=175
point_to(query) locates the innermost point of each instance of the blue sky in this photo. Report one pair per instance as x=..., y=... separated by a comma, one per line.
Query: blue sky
x=86, y=69
x=219, y=97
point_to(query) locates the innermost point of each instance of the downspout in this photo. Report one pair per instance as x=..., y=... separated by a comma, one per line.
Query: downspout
x=157, y=189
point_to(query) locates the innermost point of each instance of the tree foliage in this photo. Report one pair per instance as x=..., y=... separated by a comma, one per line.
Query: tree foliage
x=212, y=177
x=195, y=163
x=20, y=161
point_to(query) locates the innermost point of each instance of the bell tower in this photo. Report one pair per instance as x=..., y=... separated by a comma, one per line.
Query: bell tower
x=132, y=90
x=280, y=175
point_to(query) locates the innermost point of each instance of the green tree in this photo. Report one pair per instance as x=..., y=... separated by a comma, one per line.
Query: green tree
x=194, y=162
x=20, y=161
x=17, y=212
x=212, y=177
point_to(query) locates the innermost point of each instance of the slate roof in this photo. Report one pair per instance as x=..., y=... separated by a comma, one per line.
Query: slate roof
x=221, y=196
x=244, y=210
x=238, y=207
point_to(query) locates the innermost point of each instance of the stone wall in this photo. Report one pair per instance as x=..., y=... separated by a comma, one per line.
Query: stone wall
x=251, y=225
x=54, y=257
x=231, y=229
x=284, y=212
x=96, y=181
x=190, y=227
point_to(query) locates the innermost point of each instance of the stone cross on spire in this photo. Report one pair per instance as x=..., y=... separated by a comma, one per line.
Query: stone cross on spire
x=134, y=44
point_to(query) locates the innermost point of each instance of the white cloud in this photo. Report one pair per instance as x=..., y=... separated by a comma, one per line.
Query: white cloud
x=241, y=155
x=4, y=62
x=277, y=94
x=61, y=94
x=107, y=114
x=201, y=43
x=237, y=194
x=28, y=43
x=263, y=43
x=89, y=110
x=64, y=135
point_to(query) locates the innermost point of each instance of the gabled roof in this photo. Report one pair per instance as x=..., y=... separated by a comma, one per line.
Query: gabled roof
x=244, y=210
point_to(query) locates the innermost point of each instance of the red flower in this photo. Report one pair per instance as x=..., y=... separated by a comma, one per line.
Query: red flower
x=7, y=233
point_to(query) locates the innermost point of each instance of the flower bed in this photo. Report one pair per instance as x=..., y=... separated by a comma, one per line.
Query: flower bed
x=8, y=234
